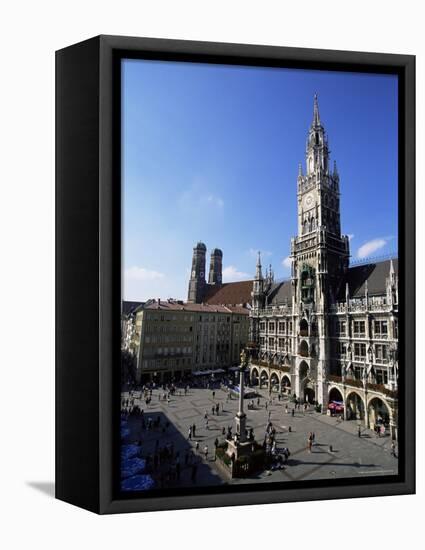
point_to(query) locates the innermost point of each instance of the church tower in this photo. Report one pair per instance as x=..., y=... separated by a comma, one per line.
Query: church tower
x=197, y=283
x=320, y=256
x=215, y=274
x=319, y=247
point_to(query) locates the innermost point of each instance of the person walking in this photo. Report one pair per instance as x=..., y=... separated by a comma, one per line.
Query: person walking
x=215, y=447
x=393, y=453
x=194, y=430
x=189, y=435
x=197, y=446
x=309, y=442
x=206, y=452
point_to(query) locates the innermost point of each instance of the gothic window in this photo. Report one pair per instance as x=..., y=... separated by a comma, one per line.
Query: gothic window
x=342, y=349
x=381, y=329
x=317, y=138
x=359, y=351
x=381, y=376
x=341, y=328
x=359, y=329
x=381, y=354
x=312, y=224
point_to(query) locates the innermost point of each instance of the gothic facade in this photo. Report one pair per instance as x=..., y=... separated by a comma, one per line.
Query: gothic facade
x=330, y=333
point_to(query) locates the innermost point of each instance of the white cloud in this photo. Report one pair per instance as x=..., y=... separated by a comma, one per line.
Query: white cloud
x=213, y=200
x=231, y=274
x=287, y=262
x=197, y=197
x=142, y=274
x=369, y=248
x=140, y=284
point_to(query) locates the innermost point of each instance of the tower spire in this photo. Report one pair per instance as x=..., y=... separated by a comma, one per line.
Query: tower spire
x=300, y=170
x=316, y=116
x=258, y=272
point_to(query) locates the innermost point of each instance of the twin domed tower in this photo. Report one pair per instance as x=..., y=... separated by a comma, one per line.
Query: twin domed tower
x=197, y=282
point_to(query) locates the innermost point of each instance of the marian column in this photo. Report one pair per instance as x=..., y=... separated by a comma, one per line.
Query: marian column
x=240, y=418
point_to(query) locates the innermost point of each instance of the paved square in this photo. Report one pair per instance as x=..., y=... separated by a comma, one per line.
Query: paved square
x=338, y=452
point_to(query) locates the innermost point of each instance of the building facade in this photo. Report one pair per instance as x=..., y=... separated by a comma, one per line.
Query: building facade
x=330, y=333
x=172, y=339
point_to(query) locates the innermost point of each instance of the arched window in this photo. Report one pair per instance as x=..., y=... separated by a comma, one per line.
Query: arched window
x=312, y=224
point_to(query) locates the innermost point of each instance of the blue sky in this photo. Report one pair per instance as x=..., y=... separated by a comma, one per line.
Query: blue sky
x=211, y=153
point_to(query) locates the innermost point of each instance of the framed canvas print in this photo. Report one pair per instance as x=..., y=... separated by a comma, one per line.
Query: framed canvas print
x=235, y=274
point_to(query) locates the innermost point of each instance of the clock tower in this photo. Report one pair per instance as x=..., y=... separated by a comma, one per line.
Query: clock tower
x=319, y=245
x=320, y=256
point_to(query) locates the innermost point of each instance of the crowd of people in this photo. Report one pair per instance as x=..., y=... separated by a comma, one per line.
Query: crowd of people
x=165, y=462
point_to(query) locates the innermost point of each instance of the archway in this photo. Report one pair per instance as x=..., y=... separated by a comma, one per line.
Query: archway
x=303, y=349
x=335, y=395
x=379, y=413
x=303, y=328
x=335, y=402
x=355, y=407
x=302, y=370
x=286, y=381
x=264, y=379
x=308, y=393
x=274, y=382
x=254, y=377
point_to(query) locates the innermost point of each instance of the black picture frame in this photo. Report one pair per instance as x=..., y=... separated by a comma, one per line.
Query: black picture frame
x=88, y=244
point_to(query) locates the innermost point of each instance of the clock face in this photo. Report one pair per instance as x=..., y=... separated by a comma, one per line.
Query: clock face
x=308, y=201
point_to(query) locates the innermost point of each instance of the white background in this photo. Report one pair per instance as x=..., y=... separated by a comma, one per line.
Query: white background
x=30, y=32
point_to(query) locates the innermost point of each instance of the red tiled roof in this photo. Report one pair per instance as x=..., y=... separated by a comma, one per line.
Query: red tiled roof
x=234, y=294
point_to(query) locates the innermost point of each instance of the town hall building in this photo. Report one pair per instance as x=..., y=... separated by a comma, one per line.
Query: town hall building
x=328, y=335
